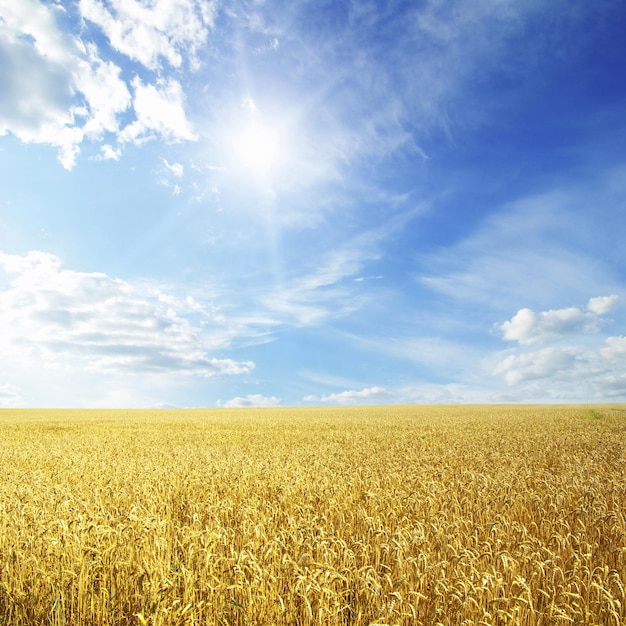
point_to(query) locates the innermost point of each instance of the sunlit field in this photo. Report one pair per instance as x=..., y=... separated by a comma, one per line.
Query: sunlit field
x=413, y=515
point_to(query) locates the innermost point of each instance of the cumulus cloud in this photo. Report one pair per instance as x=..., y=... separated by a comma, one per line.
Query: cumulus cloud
x=251, y=400
x=64, y=318
x=601, y=304
x=160, y=112
x=37, y=65
x=58, y=90
x=615, y=348
x=108, y=152
x=573, y=374
x=575, y=363
x=153, y=32
x=106, y=94
x=541, y=364
x=528, y=327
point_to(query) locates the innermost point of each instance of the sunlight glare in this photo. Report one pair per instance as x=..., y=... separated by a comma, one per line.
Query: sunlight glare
x=256, y=148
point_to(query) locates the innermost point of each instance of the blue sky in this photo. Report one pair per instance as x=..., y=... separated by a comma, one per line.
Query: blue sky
x=259, y=203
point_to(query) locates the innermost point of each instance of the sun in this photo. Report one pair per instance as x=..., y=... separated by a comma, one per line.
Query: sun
x=257, y=148
x=258, y=143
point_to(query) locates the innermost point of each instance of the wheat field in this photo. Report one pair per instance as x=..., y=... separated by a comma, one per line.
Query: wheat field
x=412, y=515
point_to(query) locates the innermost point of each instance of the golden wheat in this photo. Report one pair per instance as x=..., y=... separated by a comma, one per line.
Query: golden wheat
x=353, y=516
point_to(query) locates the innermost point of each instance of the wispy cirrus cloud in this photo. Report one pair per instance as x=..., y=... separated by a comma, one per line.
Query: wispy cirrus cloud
x=323, y=292
x=332, y=284
x=539, y=249
x=374, y=104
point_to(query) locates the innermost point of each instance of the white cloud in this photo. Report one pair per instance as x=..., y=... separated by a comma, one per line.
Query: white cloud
x=394, y=102
x=601, y=304
x=325, y=291
x=314, y=297
x=420, y=393
x=109, y=152
x=36, y=73
x=38, y=22
x=544, y=364
x=149, y=32
x=160, y=112
x=615, y=348
x=353, y=396
x=105, y=93
x=449, y=393
x=531, y=251
x=57, y=89
x=577, y=364
x=270, y=46
x=576, y=373
x=11, y=396
x=531, y=256
x=177, y=169
x=528, y=327
x=66, y=319
x=172, y=173
x=251, y=400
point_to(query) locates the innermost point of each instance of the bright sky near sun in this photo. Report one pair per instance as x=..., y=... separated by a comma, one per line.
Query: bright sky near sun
x=229, y=203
